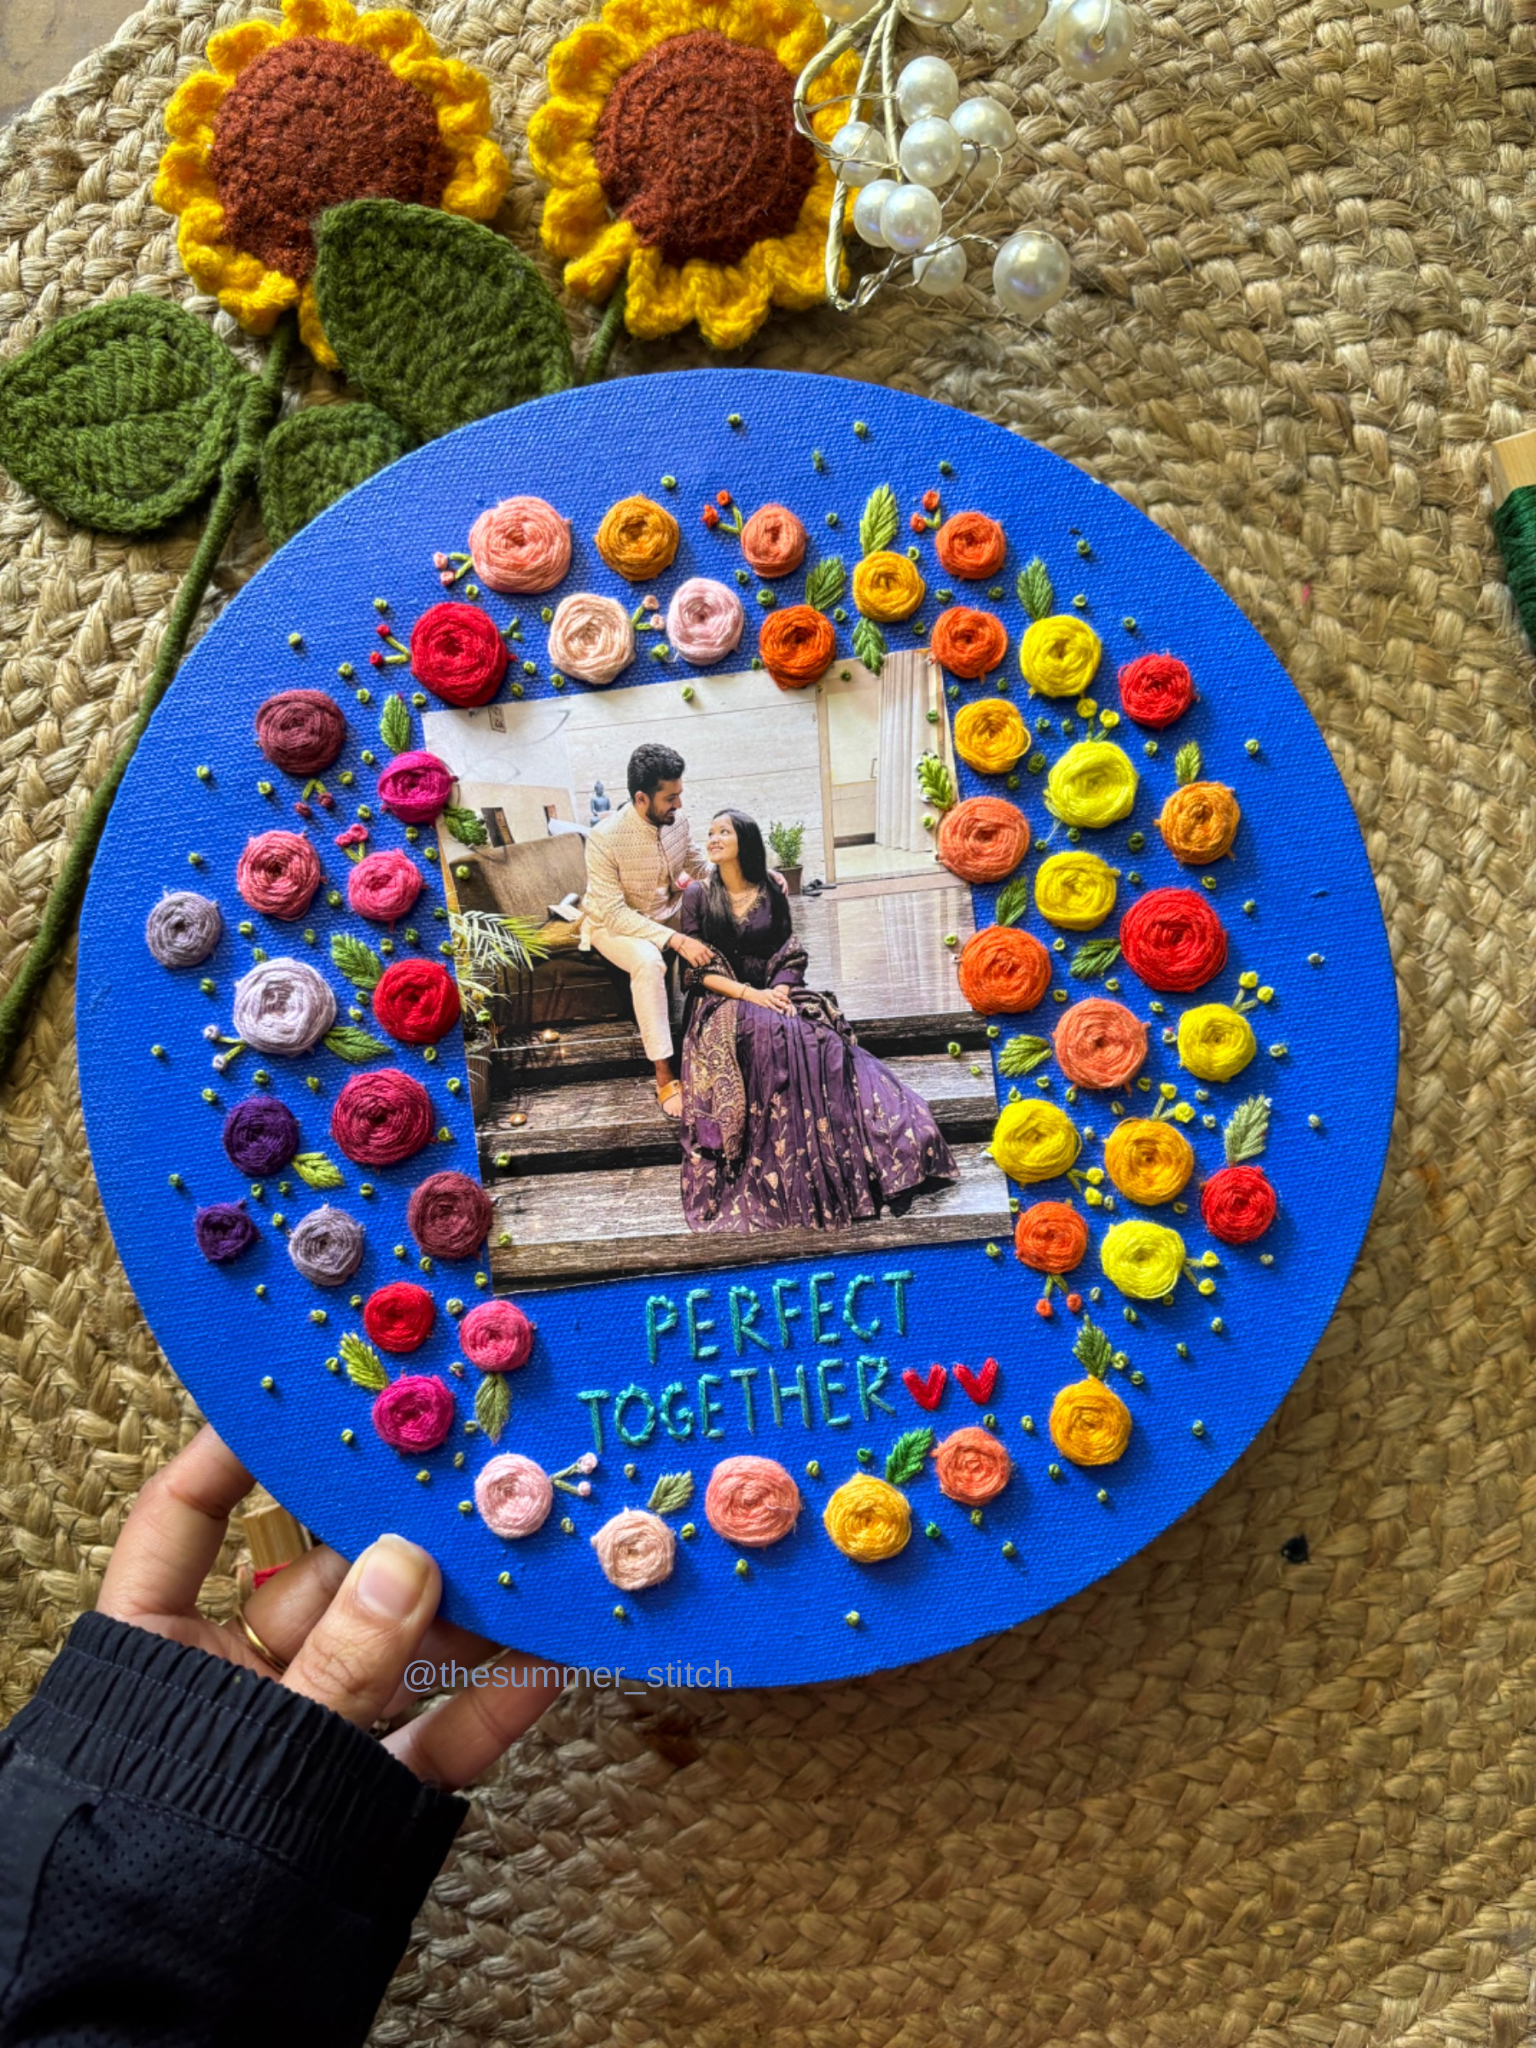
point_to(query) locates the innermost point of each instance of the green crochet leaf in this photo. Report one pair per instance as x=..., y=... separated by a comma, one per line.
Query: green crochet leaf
x=493, y=1404
x=120, y=416
x=869, y=645
x=436, y=319
x=357, y=961
x=465, y=826
x=395, y=724
x=316, y=1171
x=316, y=456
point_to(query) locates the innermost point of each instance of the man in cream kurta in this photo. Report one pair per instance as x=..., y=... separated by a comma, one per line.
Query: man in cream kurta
x=639, y=861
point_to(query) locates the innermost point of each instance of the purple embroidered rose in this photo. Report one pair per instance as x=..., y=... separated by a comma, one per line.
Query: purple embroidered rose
x=183, y=928
x=261, y=1135
x=223, y=1231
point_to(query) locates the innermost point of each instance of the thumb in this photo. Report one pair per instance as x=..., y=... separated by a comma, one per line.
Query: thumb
x=355, y=1656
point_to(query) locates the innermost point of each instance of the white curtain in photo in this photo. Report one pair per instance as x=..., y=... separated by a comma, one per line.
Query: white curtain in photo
x=905, y=733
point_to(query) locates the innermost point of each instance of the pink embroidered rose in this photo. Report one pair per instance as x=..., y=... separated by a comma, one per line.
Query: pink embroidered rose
x=773, y=541
x=415, y=787
x=704, y=621
x=384, y=886
x=752, y=1501
x=521, y=545
x=591, y=637
x=514, y=1495
x=497, y=1336
x=635, y=1549
x=414, y=1413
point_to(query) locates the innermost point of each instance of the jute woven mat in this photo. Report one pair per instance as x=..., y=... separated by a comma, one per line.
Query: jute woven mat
x=1217, y=1798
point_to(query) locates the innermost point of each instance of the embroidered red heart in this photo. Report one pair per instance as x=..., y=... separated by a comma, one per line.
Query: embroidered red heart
x=978, y=1385
x=927, y=1391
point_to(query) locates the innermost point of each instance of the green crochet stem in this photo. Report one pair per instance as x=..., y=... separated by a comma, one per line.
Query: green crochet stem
x=236, y=479
x=600, y=348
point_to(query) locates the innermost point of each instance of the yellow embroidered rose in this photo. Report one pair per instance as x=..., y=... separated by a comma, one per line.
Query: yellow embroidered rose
x=1143, y=1260
x=1149, y=1160
x=868, y=1519
x=1090, y=1424
x=1034, y=1141
x=1199, y=822
x=1058, y=655
x=1074, y=891
x=1216, y=1042
x=887, y=587
x=990, y=736
x=1092, y=784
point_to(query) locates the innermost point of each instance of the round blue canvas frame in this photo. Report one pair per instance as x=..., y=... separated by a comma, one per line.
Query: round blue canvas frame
x=820, y=445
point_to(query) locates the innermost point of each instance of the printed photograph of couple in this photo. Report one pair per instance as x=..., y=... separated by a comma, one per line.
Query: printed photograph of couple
x=710, y=1014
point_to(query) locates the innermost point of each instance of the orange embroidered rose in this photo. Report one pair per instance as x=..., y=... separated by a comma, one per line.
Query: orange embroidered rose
x=638, y=539
x=1090, y=1424
x=773, y=541
x=1050, y=1237
x=1003, y=971
x=796, y=645
x=1100, y=1044
x=971, y=546
x=968, y=642
x=1199, y=822
x=983, y=839
x=972, y=1467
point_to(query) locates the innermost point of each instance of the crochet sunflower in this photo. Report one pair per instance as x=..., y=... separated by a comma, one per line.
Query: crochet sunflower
x=294, y=117
x=670, y=147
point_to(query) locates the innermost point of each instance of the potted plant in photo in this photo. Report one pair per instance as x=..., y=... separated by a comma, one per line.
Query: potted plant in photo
x=485, y=946
x=786, y=842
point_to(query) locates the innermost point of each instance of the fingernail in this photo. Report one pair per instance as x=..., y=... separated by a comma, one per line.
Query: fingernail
x=393, y=1578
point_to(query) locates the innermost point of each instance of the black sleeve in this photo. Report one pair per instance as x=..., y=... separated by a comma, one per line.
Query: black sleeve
x=192, y=1855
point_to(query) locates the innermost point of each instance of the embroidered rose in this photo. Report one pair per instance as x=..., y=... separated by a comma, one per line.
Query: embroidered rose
x=704, y=621
x=591, y=637
x=520, y=546
x=1090, y=1424
x=416, y=1001
x=983, y=839
x=970, y=546
x=887, y=587
x=283, y=1007
x=458, y=654
x=414, y=1413
x=1100, y=1044
x=773, y=541
x=635, y=1549
x=415, y=787
x=1050, y=1237
x=751, y=1501
x=990, y=736
x=972, y=1467
x=638, y=538
x=868, y=1519
x=796, y=645
x=1148, y=1159
x=514, y=1495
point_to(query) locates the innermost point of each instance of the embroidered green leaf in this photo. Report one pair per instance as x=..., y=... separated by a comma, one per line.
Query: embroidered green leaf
x=395, y=723
x=465, y=826
x=1022, y=1055
x=1093, y=1350
x=869, y=645
x=316, y=456
x=493, y=1404
x=882, y=516
x=671, y=1493
x=1012, y=901
x=363, y=1365
x=403, y=287
x=935, y=782
x=1187, y=762
x=826, y=583
x=348, y=1043
x=1034, y=588
x=1247, y=1131
x=120, y=416
x=908, y=1455
x=1094, y=956
x=316, y=1171
x=357, y=961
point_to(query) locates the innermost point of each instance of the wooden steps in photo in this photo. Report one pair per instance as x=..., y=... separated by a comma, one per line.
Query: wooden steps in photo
x=617, y=1120
x=566, y=1228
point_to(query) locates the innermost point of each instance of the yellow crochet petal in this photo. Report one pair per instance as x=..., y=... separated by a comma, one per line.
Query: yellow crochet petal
x=193, y=105
x=655, y=302
x=183, y=176
x=230, y=50
x=644, y=23
x=459, y=93
x=392, y=34
x=589, y=61
x=573, y=217
x=312, y=334
x=331, y=18
x=202, y=226
x=559, y=143
x=479, y=182
x=596, y=270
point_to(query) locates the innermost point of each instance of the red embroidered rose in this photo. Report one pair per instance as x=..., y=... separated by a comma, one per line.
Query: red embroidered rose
x=399, y=1317
x=1173, y=939
x=382, y=1117
x=416, y=1001
x=1238, y=1204
x=458, y=654
x=1155, y=690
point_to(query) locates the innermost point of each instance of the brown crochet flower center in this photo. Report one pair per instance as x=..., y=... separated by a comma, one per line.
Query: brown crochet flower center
x=310, y=124
x=697, y=148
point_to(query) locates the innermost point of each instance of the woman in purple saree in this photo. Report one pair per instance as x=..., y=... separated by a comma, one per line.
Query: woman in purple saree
x=787, y=1121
